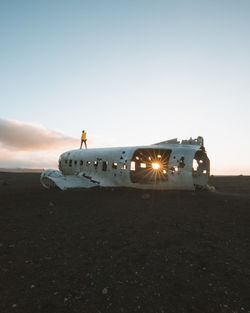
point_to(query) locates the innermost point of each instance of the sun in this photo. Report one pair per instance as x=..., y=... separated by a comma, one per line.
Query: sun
x=155, y=166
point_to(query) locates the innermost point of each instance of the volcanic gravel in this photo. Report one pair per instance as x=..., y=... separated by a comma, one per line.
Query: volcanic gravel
x=124, y=250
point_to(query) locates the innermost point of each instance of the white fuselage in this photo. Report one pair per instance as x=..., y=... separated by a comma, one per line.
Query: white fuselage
x=134, y=166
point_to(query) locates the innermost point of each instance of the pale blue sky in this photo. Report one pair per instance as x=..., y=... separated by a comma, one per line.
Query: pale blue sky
x=132, y=72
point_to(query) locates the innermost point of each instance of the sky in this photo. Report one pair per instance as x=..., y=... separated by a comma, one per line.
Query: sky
x=129, y=73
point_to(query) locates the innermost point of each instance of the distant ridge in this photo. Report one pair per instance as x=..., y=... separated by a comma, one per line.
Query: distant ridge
x=22, y=170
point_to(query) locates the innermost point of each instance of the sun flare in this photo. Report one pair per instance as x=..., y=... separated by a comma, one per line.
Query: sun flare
x=155, y=166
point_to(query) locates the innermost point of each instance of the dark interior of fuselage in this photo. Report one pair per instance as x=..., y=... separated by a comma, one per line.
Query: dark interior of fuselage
x=201, y=168
x=149, y=166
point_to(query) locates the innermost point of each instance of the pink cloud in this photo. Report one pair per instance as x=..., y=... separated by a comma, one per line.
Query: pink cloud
x=32, y=145
x=15, y=135
x=10, y=159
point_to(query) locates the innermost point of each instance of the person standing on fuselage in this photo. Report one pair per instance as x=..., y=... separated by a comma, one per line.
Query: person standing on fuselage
x=84, y=139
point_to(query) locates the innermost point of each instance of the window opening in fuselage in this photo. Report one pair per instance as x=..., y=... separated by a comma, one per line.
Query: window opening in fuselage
x=66, y=161
x=149, y=165
x=81, y=162
x=75, y=162
x=95, y=163
x=195, y=165
x=132, y=166
x=114, y=165
x=70, y=163
x=104, y=166
x=88, y=163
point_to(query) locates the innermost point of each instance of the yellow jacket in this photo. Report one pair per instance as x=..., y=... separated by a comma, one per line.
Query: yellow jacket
x=84, y=136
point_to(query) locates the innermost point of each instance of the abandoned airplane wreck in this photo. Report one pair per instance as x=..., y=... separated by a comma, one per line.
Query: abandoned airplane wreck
x=167, y=165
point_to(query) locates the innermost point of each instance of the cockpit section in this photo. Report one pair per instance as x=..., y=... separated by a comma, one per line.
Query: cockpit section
x=149, y=166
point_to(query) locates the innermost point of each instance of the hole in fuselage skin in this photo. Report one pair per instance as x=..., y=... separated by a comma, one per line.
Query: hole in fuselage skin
x=181, y=162
x=149, y=165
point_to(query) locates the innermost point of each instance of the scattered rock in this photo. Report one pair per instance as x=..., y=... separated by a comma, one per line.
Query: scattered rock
x=5, y=183
x=146, y=196
x=161, y=254
x=105, y=291
x=210, y=188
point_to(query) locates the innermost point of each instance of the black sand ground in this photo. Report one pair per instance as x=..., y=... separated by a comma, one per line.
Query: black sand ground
x=124, y=250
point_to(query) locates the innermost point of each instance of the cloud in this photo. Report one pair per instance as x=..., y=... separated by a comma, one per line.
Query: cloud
x=9, y=159
x=15, y=135
x=32, y=145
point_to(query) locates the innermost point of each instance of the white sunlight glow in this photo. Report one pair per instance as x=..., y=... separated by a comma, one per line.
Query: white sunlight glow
x=155, y=166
